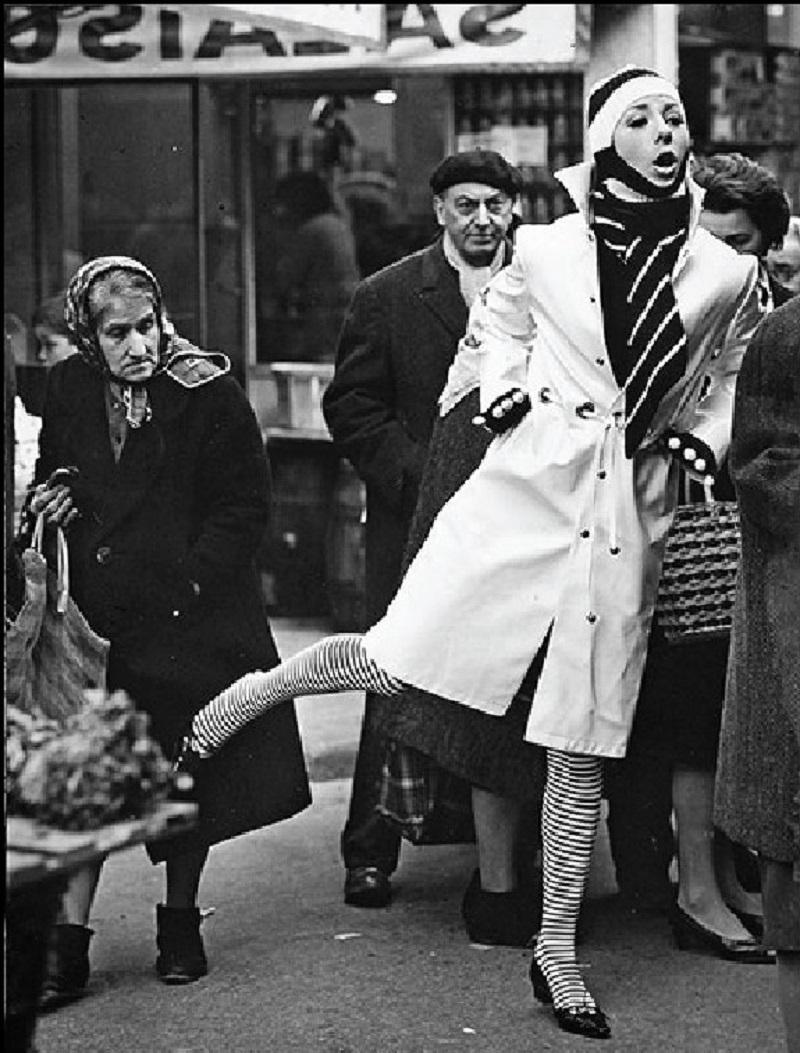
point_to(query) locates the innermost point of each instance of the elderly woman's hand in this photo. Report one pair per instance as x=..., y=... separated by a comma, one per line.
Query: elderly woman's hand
x=54, y=499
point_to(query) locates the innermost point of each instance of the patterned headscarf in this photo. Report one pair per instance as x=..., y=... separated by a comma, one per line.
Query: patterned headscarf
x=177, y=357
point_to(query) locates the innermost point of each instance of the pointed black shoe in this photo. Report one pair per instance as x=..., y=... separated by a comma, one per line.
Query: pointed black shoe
x=691, y=934
x=590, y=1023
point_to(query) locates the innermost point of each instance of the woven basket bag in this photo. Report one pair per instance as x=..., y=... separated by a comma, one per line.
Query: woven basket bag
x=698, y=578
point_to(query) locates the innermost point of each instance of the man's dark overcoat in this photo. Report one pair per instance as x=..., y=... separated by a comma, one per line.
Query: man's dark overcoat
x=758, y=778
x=188, y=501
x=398, y=340
x=395, y=349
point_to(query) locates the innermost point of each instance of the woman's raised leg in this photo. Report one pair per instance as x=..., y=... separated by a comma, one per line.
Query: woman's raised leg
x=335, y=663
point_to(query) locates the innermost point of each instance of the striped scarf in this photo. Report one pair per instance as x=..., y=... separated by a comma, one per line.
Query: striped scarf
x=645, y=237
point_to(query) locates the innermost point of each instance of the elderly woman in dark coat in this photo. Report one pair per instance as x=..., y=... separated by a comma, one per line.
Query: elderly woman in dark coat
x=758, y=779
x=164, y=509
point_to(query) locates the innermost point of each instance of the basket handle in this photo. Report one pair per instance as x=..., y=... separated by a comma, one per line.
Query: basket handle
x=62, y=560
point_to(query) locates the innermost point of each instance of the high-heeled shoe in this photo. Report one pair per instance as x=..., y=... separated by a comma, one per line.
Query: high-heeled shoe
x=754, y=923
x=691, y=934
x=578, y=1020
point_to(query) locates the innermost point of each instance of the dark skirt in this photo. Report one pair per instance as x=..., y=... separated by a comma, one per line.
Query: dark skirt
x=679, y=709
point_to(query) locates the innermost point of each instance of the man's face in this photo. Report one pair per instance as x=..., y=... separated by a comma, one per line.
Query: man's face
x=736, y=229
x=784, y=265
x=476, y=217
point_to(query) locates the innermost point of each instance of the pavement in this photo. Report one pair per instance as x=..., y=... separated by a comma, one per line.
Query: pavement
x=294, y=970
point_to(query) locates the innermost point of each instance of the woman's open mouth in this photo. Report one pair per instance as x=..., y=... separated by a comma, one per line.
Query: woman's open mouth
x=666, y=163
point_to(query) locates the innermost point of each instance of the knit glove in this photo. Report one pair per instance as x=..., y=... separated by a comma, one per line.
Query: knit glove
x=505, y=412
x=694, y=456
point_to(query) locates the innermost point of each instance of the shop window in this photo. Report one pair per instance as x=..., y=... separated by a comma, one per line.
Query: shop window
x=135, y=171
x=535, y=121
x=328, y=212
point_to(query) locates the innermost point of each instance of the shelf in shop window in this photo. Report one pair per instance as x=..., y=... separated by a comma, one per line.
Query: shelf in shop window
x=308, y=434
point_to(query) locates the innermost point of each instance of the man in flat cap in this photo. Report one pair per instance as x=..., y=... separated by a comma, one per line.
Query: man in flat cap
x=395, y=349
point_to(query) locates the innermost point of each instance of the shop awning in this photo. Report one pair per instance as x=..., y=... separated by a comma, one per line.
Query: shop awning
x=86, y=41
x=52, y=41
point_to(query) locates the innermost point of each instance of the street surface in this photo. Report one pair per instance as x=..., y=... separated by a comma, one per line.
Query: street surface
x=294, y=970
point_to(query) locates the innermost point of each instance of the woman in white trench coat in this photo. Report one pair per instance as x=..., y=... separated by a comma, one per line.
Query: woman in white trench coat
x=594, y=348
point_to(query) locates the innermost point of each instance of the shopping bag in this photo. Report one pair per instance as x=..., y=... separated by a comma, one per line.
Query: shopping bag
x=698, y=579
x=52, y=654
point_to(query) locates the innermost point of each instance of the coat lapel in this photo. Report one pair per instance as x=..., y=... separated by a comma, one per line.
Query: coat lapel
x=440, y=293
x=143, y=454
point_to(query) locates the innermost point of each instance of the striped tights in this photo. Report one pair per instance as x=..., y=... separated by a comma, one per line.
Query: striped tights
x=570, y=809
x=570, y=813
x=335, y=663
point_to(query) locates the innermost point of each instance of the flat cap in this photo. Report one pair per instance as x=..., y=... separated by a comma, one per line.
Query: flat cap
x=476, y=166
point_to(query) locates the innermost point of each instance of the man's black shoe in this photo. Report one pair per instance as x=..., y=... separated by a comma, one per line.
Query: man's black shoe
x=367, y=887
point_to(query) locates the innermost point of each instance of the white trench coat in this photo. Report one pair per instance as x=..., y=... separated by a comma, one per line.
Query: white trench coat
x=556, y=527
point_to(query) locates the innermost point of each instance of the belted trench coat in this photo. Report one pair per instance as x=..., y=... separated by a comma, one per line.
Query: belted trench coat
x=557, y=529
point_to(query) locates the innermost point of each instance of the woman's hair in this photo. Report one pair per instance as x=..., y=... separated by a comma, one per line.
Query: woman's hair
x=305, y=194
x=117, y=282
x=50, y=315
x=733, y=181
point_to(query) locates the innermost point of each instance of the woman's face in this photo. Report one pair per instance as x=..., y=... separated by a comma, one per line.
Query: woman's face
x=52, y=347
x=653, y=138
x=129, y=334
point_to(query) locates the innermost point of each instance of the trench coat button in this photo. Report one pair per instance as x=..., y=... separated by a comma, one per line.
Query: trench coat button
x=592, y=299
x=584, y=533
x=103, y=554
x=601, y=474
x=615, y=550
x=600, y=361
x=591, y=618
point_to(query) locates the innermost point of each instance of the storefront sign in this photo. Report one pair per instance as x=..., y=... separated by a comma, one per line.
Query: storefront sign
x=172, y=40
x=443, y=36
x=149, y=40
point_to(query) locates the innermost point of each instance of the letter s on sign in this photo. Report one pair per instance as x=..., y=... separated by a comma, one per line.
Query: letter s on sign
x=474, y=24
x=93, y=31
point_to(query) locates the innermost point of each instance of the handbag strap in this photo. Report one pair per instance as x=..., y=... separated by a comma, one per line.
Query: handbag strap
x=62, y=560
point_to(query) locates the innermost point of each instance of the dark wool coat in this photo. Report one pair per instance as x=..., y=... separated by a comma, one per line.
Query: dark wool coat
x=398, y=340
x=758, y=780
x=187, y=502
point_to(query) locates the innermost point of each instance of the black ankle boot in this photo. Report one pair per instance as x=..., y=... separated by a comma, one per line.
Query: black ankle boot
x=182, y=957
x=66, y=965
x=507, y=919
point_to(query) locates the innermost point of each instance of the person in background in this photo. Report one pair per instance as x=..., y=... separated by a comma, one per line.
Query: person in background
x=317, y=271
x=603, y=372
x=398, y=341
x=745, y=206
x=53, y=343
x=53, y=339
x=783, y=263
x=163, y=508
x=757, y=799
